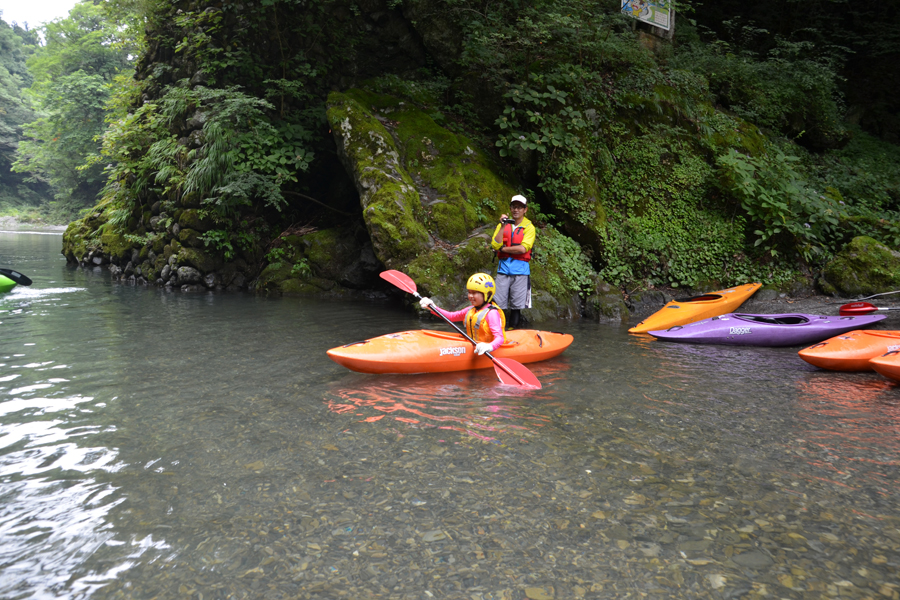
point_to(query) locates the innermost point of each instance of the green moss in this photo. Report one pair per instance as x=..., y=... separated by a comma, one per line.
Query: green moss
x=330, y=251
x=864, y=267
x=191, y=219
x=159, y=244
x=198, y=259
x=307, y=287
x=469, y=186
x=79, y=237
x=114, y=242
x=391, y=206
x=722, y=131
x=190, y=237
x=436, y=275
x=474, y=255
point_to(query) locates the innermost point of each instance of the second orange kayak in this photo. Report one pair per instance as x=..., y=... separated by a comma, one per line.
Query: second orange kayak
x=689, y=310
x=429, y=351
x=851, y=351
x=887, y=364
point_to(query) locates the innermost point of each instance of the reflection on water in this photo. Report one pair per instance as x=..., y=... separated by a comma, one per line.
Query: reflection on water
x=472, y=403
x=852, y=426
x=165, y=445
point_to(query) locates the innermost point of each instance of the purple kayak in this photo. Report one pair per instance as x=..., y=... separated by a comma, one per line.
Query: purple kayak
x=792, y=329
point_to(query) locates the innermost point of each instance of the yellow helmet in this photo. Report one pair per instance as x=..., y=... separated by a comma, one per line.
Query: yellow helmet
x=484, y=283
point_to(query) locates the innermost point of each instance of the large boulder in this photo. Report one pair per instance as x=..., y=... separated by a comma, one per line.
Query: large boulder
x=431, y=198
x=390, y=202
x=863, y=267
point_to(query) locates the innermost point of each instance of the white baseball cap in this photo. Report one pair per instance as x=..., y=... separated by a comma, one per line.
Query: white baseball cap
x=519, y=198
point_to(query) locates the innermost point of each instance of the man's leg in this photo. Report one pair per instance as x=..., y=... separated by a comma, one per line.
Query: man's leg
x=501, y=296
x=519, y=298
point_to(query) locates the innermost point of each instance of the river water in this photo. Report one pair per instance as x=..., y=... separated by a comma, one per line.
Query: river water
x=161, y=444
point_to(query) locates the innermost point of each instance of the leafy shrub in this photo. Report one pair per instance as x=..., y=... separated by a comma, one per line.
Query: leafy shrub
x=567, y=269
x=784, y=211
x=791, y=90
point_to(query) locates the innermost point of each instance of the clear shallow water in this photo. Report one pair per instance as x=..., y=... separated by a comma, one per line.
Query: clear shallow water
x=172, y=445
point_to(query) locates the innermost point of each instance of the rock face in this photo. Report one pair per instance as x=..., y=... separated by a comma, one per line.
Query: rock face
x=863, y=267
x=606, y=304
x=160, y=258
x=431, y=198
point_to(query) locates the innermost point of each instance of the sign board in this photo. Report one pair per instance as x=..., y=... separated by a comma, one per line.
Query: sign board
x=655, y=12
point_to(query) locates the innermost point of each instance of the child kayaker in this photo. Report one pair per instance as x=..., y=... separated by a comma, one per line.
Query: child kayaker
x=485, y=321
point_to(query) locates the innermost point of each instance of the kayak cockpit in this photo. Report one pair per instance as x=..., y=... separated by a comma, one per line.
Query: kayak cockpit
x=703, y=298
x=774, y=320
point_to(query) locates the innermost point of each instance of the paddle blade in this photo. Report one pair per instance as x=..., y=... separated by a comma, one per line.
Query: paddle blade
x=857, y=308
x=512, y=372
x=16, y=276
x=401, y=280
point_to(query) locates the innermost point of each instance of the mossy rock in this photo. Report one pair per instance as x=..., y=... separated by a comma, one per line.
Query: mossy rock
x=725, y=131
x=202, y=261
x=192, y=219
x=330, y=252
x=462, y=187
x=190, y=238
x=78, y=238
x=390, y=202
x=545, y=306
x=437, y=276
x=114, y=243
x=307, y=287
x=606, y=303
x=864, y=267
x=158, y=244
x=275, y=274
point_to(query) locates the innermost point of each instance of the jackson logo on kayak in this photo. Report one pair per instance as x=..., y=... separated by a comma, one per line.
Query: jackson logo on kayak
x=455, y=350
x=739, y=331
x=893, y=348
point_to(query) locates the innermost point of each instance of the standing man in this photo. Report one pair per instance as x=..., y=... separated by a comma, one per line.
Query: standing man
x=513, y=240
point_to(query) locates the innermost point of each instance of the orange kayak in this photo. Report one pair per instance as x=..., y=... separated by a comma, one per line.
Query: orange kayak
x=851, y=351
x=690, y=310
x=429, y=351
x=887, y=364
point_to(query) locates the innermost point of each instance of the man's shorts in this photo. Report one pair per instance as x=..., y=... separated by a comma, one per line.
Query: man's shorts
x=513, y=291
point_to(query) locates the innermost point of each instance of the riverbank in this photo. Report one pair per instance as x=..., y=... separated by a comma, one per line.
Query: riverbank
x=15, y=223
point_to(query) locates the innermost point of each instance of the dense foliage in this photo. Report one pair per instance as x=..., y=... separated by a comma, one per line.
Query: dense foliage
x=724, y=156
x=684, y=149
x=857, y=41
x=15, y=110
x=73, y=72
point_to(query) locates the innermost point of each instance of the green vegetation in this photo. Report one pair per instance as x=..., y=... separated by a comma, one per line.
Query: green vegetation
x=726, y=156
x=16, y=192
x=68, y=84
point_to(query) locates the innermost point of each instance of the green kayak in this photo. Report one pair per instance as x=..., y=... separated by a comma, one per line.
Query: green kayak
x=6, y=284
